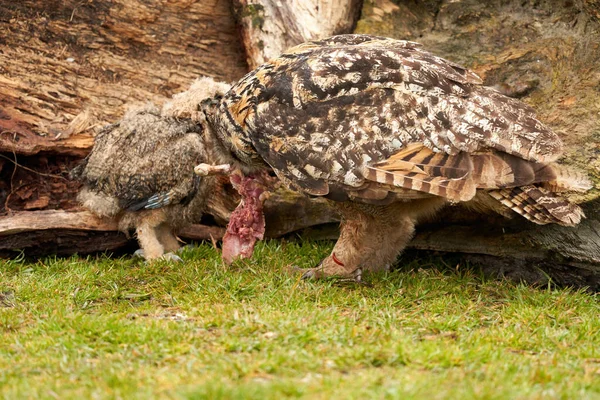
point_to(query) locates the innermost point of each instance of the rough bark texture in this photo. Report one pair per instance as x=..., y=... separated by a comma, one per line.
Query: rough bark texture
x=516, y=248
x=269, y=27
x=69, y=66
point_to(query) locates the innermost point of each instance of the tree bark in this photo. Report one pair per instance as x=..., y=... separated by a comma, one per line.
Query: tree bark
x=285, y=212
x=269, y=27
x=68, y=67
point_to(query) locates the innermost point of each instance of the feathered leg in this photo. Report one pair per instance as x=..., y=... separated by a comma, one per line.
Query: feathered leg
x=167, y=238
x=169, y=242
x=148, y=240
x=372, y=237
x=154, y=235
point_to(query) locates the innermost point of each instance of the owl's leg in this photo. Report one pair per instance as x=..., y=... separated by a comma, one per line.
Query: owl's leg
x=371, y=237
x=167, y=238
x=148, y=240
x=169, y=242
x=367, y=242
x=389, y=239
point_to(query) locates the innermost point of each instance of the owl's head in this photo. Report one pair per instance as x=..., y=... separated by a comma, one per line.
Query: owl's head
x=189, y=104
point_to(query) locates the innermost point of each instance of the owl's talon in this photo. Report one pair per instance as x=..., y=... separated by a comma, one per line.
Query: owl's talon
x=307, y=273
x=310, y=273
x=293, y=269
x=186, y=247
x=139, y=253
x=172, y=257
x=358, y=278
x=318, y=273
x=358, y=275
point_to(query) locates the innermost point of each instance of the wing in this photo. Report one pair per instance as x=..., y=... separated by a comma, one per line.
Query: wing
x=333, y=119
x=146, y=161
x=182, y=193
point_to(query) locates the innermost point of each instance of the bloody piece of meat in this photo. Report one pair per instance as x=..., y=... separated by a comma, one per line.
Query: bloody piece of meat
x=247, y=221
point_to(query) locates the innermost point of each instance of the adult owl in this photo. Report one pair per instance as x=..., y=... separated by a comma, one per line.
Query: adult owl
x=391, y=133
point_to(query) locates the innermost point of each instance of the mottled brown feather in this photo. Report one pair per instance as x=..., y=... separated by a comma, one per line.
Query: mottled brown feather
x=392, y=133
x=374, y=119
x=539, y=205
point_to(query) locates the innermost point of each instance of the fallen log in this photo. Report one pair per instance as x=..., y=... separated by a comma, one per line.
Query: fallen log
x=286, y=212
x=512, y=248
x=70, y=232
x=25, y=221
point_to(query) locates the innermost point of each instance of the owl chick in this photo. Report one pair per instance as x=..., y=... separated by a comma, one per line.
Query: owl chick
x=140, y=170
x=392, y=133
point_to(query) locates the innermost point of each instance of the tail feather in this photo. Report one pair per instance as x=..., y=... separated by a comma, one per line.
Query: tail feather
x=524, y=186
x=539, y=205
x=568, y=179
x=416, y=167
x=495, y=170
x=417, y=158
x=452, y=189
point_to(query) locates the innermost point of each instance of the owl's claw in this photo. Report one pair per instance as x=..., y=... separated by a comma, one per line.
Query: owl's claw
x=186, y=248
x=171, y=257
x=139, y=253
x=307, y=273
x=310, y=273
x=320, y=273
x=358, y=275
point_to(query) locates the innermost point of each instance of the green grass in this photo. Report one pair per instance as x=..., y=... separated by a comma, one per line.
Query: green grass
x=116, y=328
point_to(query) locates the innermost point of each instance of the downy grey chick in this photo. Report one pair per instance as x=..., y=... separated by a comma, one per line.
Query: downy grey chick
x=141, y=170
